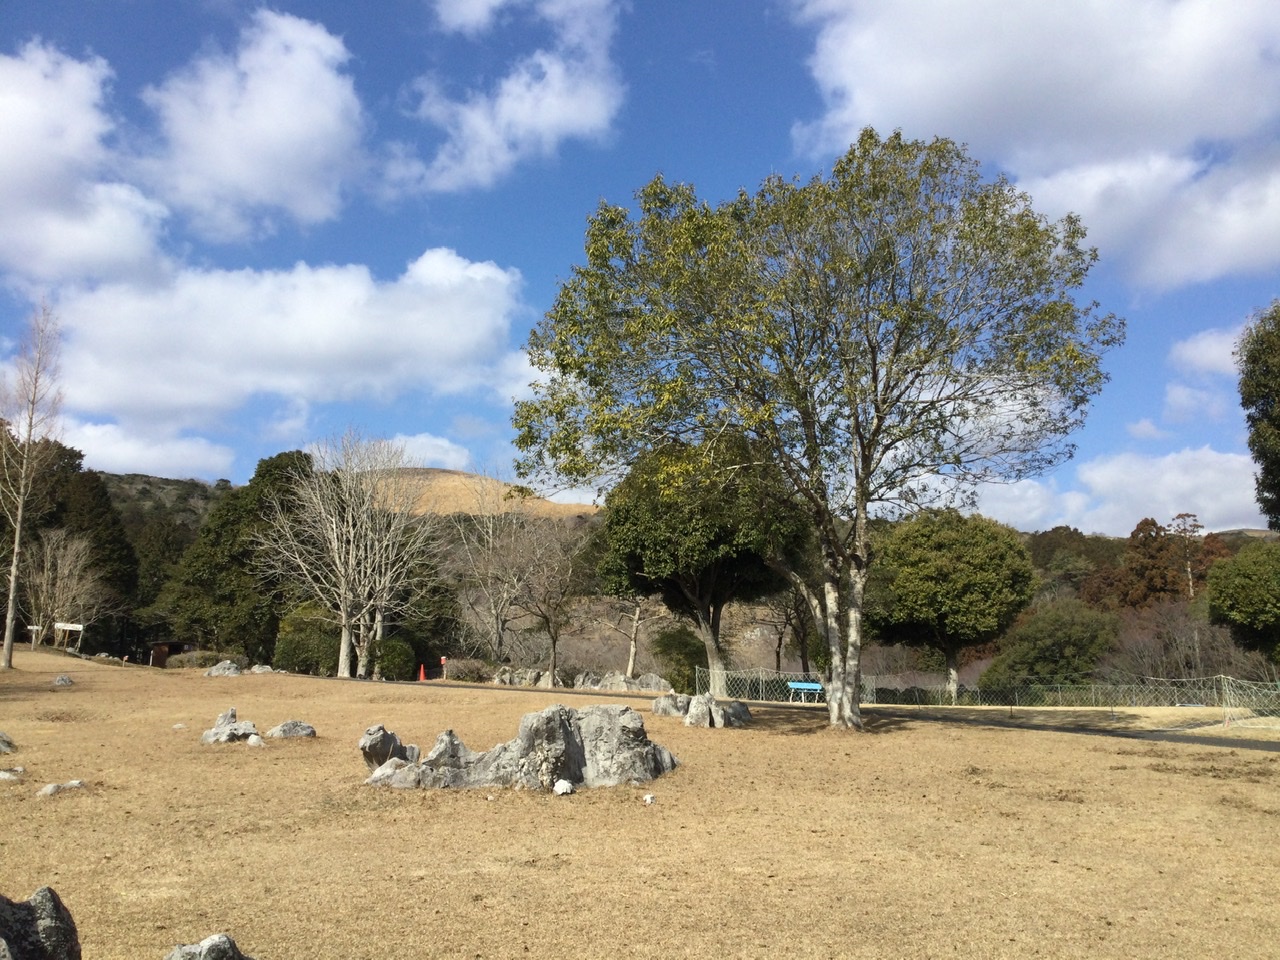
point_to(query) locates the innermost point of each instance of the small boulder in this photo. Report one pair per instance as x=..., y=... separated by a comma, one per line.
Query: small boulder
x=39, y=928
x=50, y=789
x=6, y=743
x=62, y=680
x=292, y=728
x=380, y=745
x=562, y=788
x=261, y=668
x=12, y=773
x=217, y=947
x=706, y=711
x=227, y=730
x=227, y=668
x=255, y=741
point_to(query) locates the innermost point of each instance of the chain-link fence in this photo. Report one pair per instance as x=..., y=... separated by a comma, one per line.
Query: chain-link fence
x=1241, y=701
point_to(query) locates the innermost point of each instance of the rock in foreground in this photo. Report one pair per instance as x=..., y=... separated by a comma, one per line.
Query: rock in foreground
x=601, y=746
x=217, y=947
x=39, y=928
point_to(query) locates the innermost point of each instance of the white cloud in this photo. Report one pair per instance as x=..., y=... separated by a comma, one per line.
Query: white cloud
x=1145, y=429
x=114, y=449
x=274, y=128
x=433, y=451
x=1152, y=119
x=63, y=215
x=468, y=16
x=1184, y=403
x=1117, y=491
x=186, y=354
x=1208, y=352
x=571, y=91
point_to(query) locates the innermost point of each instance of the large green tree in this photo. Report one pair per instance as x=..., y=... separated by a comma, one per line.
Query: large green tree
x=1244, y=594
x=698, y=539
x=888, y=335
x=1258, y=358
x=950, y=581
x=215, y=597
x=1059, y=642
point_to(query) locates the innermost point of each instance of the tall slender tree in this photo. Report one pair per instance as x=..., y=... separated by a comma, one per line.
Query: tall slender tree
x=30, y=400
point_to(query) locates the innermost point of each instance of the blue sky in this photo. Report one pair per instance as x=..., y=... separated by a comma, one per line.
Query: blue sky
x=262, y=225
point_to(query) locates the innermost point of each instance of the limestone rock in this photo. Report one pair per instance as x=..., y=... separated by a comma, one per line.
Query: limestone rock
x=672, y=705
x=226, y=729
x=227, y=668
x=12, y=773
x=49, y=789
x=6, y=743
x=562, y=788
x=39, y=928
x=217, y=947
x=255, y=741
x=62, y=680
x=292, y=728
x=595, y=747
x=380, y=745
x=613, y=680
x=706, y=711
x=261, y=668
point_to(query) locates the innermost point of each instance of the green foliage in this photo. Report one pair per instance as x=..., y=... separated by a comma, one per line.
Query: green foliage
x=396, y=659
x=1258, y=357
x=950, y=581
x=214, y=598
x=1060, y=642
x=1244, y=594
x=203, y=660
x=307, y=643
x=823, y=323
x=679, y=652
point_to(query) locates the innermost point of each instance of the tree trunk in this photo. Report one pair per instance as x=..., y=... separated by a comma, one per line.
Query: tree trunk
x=719, y=684
x=845, y=646
x=551, y=665
x=11, y=608
x=635, y=637
x=953, y=674
x=344, y=650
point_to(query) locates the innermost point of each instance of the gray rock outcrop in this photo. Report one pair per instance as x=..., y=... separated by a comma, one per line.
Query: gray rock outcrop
x=39, y=928
x=217, y=947
x=378, y=745
x=6, y=743
x=12, y=773
x=62, y=680
x=226, y=729
x=706, y=711
x=227, y=668
x=292, y=728
x=672, y=705
x=613, y=680
x=595, y=747
x=261, y=668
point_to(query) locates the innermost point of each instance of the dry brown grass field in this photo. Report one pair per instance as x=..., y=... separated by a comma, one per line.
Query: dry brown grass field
x=921, y=838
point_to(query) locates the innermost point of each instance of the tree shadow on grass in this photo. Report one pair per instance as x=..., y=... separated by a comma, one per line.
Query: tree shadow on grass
x=809, y=719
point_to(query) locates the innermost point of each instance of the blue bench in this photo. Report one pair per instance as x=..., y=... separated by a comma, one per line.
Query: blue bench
x=804, y=688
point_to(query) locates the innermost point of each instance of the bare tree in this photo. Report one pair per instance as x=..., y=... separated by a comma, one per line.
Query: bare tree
x=30, y=400
x=61, y=584
x=547, y=576
x=632, y=616
x=350, y=534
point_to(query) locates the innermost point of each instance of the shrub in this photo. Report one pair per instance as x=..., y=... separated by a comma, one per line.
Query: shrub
x=306, y=644
x=470, y=671
x=204, y=659
x=396, y=660
x=679, y=653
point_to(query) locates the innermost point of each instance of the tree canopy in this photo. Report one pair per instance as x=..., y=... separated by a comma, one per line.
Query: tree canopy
x=888, y=336
x=950, y=581
x=1244, y=594
x=1258, y=357
x=698, y=538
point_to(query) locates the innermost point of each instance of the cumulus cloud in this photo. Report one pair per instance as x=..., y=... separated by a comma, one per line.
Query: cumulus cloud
x=273, y=129
x=569, y=91
x=1152, y=120
x=1115, y=492
x=63, y=213
x=468, y=16
x=1207, y=352
x=1145, y=429
x=186, y=354
x=433, y=451
x=114, y=449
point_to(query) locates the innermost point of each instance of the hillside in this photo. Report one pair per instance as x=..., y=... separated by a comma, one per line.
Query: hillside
x=455, y=491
